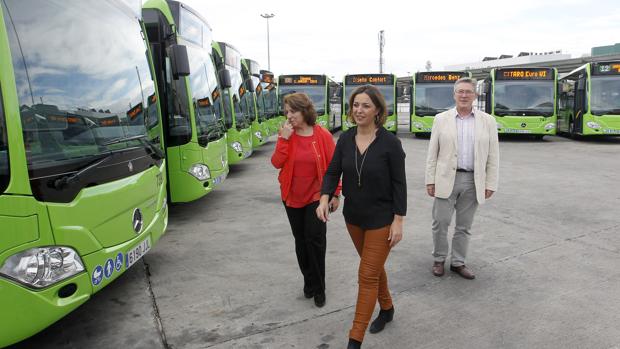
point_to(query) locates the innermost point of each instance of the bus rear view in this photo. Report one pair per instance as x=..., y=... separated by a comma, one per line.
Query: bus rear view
x=82, y=182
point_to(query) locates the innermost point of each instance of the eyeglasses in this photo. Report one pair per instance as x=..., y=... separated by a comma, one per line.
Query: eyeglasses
x=464, y=92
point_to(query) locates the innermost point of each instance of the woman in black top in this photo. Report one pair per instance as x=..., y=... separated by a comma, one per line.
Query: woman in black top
x=371, y=161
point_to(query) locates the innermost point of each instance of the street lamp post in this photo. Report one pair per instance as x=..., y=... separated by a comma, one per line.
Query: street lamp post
x=267, y=16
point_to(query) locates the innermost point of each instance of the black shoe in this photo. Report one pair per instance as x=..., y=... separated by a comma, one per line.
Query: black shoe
x=319, y=299
x=308, y=291
x=353, y=344
x=383, y=318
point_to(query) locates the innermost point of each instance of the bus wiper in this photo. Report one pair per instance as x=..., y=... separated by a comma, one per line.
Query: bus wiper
x=143, y=139
x=63, y=181
x=606, y=112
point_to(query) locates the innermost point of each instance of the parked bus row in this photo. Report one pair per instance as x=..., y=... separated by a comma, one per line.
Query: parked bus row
x=532, y=101
x=97, y=137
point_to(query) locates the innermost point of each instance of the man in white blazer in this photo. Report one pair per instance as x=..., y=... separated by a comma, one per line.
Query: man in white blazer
x=461, y=172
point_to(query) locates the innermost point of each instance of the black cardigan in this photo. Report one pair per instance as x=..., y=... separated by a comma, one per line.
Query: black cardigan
x=383, y=192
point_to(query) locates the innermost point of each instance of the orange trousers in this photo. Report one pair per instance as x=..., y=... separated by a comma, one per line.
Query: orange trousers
x=373, y=247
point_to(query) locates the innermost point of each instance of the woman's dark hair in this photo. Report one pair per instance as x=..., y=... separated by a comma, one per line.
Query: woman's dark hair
x=302, y=103
x=377, y=99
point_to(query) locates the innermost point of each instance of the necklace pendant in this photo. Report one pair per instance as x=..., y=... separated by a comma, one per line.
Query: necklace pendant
x=359, y=182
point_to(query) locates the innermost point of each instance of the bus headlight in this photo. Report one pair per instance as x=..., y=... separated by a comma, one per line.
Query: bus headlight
x=390, y=124
x=237, y=147
x=323, y=122
x=418, y=125
x=200, y=171
x=42, y=266
x=592, y=124
x=258, y=135
x=499, y=126
x=549, y=126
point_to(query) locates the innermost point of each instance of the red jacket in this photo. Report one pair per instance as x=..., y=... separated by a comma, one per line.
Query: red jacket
x=284, y=155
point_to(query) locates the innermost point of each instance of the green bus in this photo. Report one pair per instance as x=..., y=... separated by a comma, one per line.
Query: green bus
x=269, y=104
x=319, y=88
x=82, y=168
x=589, y=100
x=194, y=135
x=250, y=71
x=522, y=100
x=386, y=83
x=431, y=94
x=237, y=116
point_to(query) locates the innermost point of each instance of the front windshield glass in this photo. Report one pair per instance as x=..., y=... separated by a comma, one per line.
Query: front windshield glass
x=386, y=90
x=432, y=99
x=315, y=92
x=79, y=87
x=270, y=99
x=524, y=98
x=4, y=150
x=242, y=113
x=203, y=81
x=605, y=95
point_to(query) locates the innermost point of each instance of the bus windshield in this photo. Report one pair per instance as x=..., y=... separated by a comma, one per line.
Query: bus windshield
x=432, y=99
x=270, y=99
x=74, y=105
x=386, y=90
x=315, y=92
x=202, y=80
x=605, y=95
x=524, y=98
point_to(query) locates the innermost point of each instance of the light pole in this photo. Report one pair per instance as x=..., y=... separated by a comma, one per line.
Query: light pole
x=267, y=16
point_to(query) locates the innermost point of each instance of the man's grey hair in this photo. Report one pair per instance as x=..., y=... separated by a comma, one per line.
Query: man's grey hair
x=466, y=80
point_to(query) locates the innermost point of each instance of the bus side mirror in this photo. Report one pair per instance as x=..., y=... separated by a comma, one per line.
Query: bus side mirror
x=250, y=85
x=225, y=80
x=179, y=61
x=581, y=84
x=487, y=88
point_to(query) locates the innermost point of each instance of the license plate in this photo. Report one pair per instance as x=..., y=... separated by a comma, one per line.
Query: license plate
x=219, y=179
x=615, y=132
x=512, y=130
x=137, y=252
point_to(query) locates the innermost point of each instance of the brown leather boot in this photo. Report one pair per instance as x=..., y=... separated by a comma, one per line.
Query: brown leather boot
x=438, y=269
x=463, y=271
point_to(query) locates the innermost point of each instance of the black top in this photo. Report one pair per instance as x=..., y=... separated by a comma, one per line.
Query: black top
x=383, y=191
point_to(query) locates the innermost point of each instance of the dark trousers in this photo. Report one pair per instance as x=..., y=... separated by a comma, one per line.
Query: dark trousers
x=310, y=245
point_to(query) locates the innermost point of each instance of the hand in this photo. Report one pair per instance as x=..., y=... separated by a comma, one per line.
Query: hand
x=322, y=211
x=396, y=231
x=286, y=130
x=430, y=189
x=333, y=204
x=488, y=193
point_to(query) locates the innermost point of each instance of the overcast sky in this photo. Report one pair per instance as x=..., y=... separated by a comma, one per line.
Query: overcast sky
x=339, y=37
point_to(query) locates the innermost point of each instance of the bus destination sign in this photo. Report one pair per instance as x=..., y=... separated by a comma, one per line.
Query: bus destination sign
x=302, y=80
x=439, y=77
x=370, y=79
x=524, y=74
x=606, y=68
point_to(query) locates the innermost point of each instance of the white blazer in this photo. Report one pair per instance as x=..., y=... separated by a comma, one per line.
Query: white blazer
x=443, y=148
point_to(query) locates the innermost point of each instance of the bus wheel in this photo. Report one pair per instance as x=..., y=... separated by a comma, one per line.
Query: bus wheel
x=571, y=129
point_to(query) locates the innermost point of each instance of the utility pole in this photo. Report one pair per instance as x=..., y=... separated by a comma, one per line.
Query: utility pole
x=381, y=44
x=267, y=16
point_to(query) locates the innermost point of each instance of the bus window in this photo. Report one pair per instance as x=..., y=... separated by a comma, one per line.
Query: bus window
x=4, y=144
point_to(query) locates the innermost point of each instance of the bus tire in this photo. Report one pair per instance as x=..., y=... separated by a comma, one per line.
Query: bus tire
x=571, y=129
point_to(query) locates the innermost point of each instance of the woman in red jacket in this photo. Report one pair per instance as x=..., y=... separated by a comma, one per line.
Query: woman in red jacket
x=302, y=154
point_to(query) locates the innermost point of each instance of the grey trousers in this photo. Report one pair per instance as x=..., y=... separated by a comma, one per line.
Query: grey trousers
x=463, y=199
